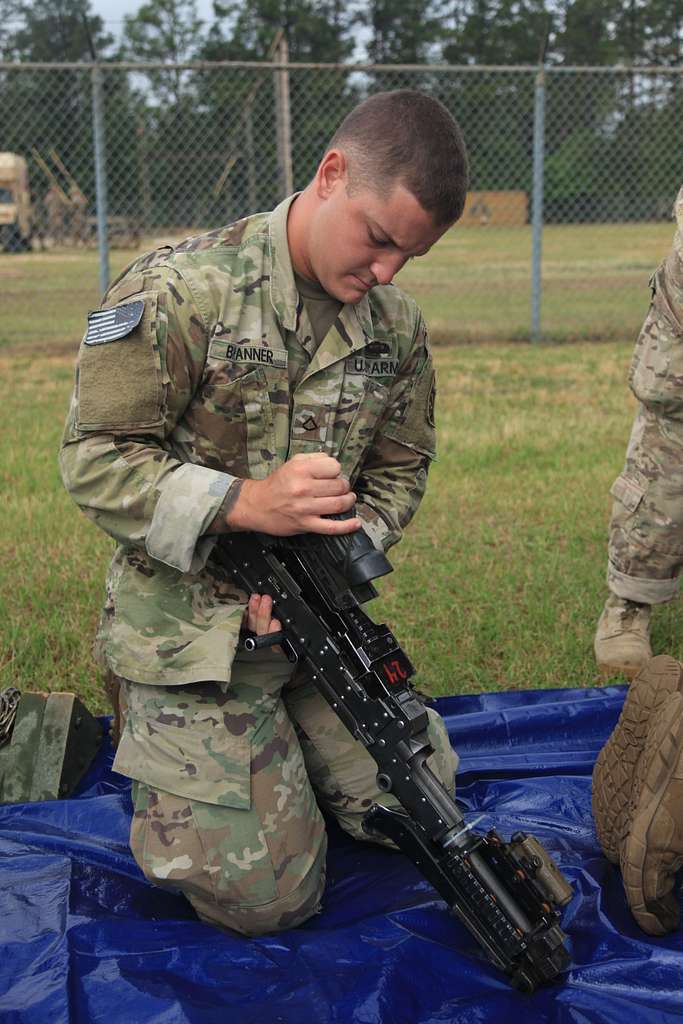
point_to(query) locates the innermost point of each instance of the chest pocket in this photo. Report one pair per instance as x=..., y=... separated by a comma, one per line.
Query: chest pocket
x=230, y=425
x=368, y=377
x=364, y=400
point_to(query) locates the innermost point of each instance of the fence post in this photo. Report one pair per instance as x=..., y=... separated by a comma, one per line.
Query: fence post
x=100, y=176
x=248, y=121
x=143, y=172
x=283, y=121
x=537, y=204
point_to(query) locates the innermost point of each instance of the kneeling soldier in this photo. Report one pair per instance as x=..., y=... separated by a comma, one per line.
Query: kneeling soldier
x=260, y=377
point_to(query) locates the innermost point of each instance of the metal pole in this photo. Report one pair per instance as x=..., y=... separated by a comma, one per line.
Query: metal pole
x=143, y=172
x=537, y=204
x=100, y=177
x=252, y=201
x=283, y=121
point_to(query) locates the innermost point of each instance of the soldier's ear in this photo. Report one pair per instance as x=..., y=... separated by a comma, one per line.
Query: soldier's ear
x=331, y=174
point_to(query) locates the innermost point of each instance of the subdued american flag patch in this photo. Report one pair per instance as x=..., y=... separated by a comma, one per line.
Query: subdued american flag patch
x=111, y=324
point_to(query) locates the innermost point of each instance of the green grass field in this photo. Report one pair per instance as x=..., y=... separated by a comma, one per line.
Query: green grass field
x=500, y=578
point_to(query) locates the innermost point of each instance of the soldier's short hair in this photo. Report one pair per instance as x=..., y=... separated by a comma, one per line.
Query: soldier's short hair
x=406, y=137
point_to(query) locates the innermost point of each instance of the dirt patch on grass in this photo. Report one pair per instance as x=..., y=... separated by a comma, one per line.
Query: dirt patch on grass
x=63, y=348
x=15, y=368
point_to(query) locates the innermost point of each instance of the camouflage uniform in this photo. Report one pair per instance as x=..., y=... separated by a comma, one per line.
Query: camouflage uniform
x=220, y=380
x=646, y=530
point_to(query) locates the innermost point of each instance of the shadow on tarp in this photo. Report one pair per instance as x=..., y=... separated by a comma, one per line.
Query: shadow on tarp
x=86, y=939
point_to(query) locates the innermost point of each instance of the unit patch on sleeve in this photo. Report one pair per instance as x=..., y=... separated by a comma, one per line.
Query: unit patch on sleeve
x=106, y=325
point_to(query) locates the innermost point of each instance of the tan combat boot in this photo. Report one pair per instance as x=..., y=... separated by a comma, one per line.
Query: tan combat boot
x=616, y=785
x=622, y=639
x=653, y=850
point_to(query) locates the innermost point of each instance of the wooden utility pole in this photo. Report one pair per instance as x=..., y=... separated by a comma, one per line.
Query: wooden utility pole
x=283, y=119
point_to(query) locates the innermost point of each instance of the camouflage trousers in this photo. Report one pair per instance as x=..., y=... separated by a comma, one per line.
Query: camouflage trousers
x=646, y=529
x=228, y=784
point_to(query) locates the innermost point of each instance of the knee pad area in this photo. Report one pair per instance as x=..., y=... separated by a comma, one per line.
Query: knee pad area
x=274, y=916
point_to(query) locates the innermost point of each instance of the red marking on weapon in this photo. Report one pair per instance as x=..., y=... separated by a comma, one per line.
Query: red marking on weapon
x=394, y=672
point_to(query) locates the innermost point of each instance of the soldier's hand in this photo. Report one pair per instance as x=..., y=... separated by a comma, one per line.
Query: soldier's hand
x=258, y=615
x=295, y=498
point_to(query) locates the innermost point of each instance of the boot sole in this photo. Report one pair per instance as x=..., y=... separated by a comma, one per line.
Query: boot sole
x=662, y=763
x=614, y=772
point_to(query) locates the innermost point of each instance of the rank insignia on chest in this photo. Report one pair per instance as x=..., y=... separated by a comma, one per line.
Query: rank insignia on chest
x=106, y=325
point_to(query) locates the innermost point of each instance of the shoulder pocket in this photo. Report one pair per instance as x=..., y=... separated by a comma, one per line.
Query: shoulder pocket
x=120, y=381
x=414, y=425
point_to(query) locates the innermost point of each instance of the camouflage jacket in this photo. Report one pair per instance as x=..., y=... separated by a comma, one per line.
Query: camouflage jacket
x=656, y=373
x=185, y=387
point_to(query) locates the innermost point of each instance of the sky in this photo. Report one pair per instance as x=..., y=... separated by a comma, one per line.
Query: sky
x=113, y=12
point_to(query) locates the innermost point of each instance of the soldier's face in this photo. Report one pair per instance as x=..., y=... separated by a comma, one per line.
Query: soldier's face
x=360, y=239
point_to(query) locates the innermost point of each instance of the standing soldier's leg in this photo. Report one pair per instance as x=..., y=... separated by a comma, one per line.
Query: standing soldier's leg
x=646, y=532
x=223, y=809
x=645, y=542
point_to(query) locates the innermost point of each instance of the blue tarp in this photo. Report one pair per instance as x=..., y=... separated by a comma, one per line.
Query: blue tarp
x=85, y=938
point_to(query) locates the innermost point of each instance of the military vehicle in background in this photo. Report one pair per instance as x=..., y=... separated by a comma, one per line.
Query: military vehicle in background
x=61, y=216
x=16, y=215
x=64, y=217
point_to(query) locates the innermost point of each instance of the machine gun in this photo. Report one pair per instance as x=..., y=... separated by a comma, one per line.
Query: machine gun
x=507, y=894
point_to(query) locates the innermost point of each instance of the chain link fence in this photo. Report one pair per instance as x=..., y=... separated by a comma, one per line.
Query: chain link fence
x=573, y=174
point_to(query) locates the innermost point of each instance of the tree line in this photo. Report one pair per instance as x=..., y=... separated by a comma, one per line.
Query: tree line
x=575, y=32
x=200, y=147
